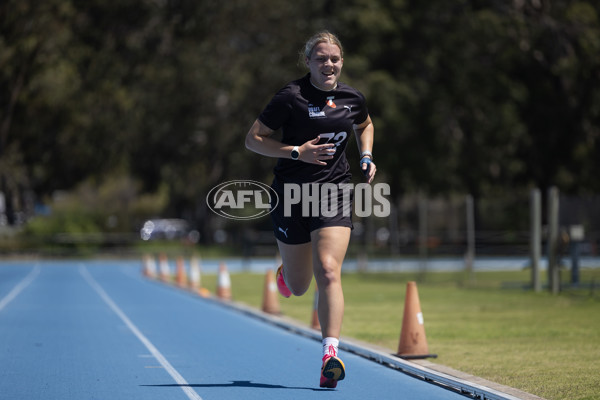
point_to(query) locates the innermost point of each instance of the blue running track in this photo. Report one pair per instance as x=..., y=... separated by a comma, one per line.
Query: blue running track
x=93, y=330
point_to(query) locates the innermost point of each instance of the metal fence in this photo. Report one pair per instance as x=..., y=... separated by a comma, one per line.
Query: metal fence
x=499, y=226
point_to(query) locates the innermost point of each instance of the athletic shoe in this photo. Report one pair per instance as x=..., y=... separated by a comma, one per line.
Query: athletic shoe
x=281, y=286
x=332, y=371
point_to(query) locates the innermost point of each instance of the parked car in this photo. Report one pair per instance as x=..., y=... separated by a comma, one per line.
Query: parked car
x=168, y=229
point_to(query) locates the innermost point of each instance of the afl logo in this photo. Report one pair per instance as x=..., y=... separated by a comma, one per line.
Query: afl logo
x=242, y=199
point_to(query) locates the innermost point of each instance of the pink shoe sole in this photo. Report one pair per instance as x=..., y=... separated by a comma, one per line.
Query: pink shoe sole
x=281, y=286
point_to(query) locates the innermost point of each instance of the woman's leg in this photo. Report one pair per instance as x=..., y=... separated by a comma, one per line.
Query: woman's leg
x=329, y=249
x=297, y=266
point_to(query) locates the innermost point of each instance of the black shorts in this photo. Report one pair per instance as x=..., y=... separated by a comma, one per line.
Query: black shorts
x=303, y=208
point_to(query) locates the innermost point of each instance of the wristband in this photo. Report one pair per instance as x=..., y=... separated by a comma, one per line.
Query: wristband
x=366, y=153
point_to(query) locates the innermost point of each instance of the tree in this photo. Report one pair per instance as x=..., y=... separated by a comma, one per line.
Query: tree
x=478, y=97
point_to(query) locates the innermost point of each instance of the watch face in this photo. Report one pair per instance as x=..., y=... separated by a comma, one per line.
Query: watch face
x=295, y=154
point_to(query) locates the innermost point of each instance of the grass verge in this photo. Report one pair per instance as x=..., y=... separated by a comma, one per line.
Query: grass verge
x=486, y=324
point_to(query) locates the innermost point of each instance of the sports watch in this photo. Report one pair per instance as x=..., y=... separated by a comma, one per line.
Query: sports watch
x=295, y=153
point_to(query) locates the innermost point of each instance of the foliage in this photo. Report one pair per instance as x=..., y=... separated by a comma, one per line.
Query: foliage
x=80, y=219
x=477, y=97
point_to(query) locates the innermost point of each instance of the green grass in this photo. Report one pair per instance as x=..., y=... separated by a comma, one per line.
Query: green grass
x=486, y=325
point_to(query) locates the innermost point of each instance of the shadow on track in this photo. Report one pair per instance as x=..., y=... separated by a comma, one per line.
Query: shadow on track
x=247, y=384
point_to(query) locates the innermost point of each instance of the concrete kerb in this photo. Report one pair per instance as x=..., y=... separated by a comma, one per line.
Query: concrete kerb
x=460, y=382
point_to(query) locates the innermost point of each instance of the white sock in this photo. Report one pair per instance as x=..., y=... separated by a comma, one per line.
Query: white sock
x=330, y=346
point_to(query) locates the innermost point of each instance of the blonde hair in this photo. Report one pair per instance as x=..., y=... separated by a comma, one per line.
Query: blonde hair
x=321, y=37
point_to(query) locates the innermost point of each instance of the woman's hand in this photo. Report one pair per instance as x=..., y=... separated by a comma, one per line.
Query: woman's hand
x=313, y=153
x=368, y=168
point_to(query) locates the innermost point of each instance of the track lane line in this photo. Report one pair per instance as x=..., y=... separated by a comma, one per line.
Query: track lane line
x=180, y=380
x=20, y=287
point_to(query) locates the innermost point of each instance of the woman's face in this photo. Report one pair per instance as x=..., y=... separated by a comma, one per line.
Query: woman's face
x=325, y=64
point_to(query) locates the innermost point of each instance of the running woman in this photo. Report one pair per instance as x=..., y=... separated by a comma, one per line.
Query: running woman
x=316, y=114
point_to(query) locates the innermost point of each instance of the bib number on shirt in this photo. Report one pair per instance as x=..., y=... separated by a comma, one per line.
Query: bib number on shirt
x=337, y=139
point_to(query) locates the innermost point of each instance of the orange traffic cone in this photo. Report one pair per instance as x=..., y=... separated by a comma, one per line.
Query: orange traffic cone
x=195, y=271
x=223, y=283
x=149, y=267
x=413, y=343
x=165, y=271
x=314, y=323
x=270, y=303
x=181, y=276
x=145, y=265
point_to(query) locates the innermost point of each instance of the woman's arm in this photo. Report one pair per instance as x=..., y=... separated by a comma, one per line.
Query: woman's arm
x=364, y=137
x=259, y=141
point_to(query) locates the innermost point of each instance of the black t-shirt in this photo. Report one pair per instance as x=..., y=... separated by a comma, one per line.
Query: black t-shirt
x=305, y=112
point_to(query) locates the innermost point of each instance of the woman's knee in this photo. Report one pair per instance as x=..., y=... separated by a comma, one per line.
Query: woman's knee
x=328, y=271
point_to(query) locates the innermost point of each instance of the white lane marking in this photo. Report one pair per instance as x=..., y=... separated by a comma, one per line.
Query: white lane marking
x=20, y=287
x=185, y=386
